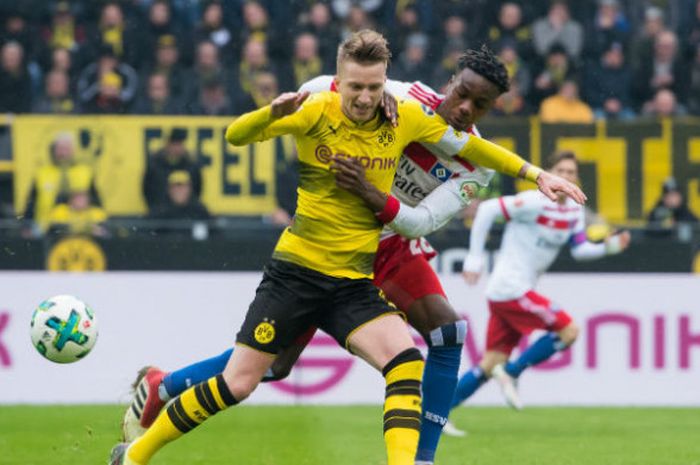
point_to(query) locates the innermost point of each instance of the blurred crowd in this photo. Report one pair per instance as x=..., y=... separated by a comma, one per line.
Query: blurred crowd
x=568, y=61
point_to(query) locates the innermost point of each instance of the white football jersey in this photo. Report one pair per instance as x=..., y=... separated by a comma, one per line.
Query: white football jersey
x=425, y=167
x=537, y=229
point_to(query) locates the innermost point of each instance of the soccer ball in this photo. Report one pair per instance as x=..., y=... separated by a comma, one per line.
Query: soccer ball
x=63, y=329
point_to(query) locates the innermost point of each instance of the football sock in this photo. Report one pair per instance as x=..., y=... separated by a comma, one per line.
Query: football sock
x=402, y=406
x=439, y=381
x=468, y=384
x=176, y=382
x=186, y=412
x=538, y=352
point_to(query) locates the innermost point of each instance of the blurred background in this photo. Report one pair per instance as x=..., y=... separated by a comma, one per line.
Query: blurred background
x=112, y=117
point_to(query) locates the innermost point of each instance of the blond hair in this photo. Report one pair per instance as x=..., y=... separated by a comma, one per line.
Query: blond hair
x=364, y=47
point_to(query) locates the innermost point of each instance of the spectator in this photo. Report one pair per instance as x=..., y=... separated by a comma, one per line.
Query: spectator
x=515, y=66
x=15, y=83
x=557, y=68
x=57, y=98
x=407, y=23
x=181, y=202
x=207, y=66
x=448, y=64
x=664, y=104
x=608, y=84
x=665, y=70
x=510, y=30
x=263, y=91
x=411, y=64
x=78, y=215
x=511, y=103
x=558, y=28
x=255, y=60
x=112, y=32
x=306, y=63
x=159, y=24
x=17, y=29
x=108, y=98
x=691, y=30
x=52, y=182
x=609, y=26
x=158, y=99
x=167, y=63
x=356, y=20
x=672, y=208
x=63, y=32
x=643, y=43
x=98, y=81
x=213, y=29
x=172, y=157
x=566, y=106
x=213, y=99
x=321, y=24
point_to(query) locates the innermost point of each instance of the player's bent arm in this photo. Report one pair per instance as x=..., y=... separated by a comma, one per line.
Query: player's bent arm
x=486, y=214
x=431, y=214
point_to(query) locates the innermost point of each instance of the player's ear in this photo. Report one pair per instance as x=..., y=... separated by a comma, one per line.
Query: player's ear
x=336, y=81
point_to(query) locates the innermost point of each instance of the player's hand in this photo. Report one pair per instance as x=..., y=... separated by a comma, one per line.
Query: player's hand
x=619, y=241
x=390, y=106
x=550, y=185
x=287, y=103
x=471, y=277
x=350, y=175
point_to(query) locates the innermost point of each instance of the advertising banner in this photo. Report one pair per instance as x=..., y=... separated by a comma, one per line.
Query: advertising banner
x=639, y=342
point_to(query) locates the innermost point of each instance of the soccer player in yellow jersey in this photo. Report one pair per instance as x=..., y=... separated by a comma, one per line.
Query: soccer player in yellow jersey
x=321, y=269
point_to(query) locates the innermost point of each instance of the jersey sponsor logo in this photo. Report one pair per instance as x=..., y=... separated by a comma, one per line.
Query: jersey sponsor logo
x=265, y=332
x=324, y=154
x=409, y=187
x=386, y=138
x=441, y=172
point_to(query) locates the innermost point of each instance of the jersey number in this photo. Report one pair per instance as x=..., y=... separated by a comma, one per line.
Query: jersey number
x=420, y=247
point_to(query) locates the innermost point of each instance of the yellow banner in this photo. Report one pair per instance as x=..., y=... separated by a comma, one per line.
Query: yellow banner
x=235, y=180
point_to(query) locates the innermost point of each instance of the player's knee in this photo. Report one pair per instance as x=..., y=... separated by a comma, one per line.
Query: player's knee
x=448, y=335
x=241, y=387
x=569, y=334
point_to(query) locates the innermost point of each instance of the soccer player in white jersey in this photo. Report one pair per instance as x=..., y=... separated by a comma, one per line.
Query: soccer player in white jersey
x=429, y=189
x=536, y=230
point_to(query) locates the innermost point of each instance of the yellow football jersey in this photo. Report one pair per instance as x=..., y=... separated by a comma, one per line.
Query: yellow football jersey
x=334, y=232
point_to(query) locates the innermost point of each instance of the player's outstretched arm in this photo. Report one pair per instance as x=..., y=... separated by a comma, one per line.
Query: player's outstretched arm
x=259, y=124
x=584, y=250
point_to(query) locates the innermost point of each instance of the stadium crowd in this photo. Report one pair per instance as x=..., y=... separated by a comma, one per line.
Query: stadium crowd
x=569, y=61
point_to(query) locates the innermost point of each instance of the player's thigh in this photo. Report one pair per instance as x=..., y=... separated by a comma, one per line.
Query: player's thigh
x=379, y=341
x=408, y=281
x=429, y=313
x=501, y=337
x=357, y=307
x=283, y=308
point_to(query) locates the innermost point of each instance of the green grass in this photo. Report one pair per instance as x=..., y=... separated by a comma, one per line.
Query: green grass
x=78, y=435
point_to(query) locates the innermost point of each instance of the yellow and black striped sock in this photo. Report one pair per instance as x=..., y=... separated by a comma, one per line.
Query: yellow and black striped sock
x=185, y=413
x=402, y=406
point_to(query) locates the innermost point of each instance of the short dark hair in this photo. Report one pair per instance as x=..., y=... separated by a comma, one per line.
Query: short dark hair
x=486, y=64
x=554, y=159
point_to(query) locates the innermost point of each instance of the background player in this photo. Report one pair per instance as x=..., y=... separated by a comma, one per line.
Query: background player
x=401, y=267
x=536, y=231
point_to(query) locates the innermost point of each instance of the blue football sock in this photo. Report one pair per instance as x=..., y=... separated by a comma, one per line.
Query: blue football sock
x=468, y=384
x=176, y=382
x=439, y=380
x=538, y=352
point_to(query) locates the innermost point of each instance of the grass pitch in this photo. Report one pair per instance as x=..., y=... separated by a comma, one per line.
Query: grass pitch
x=77, y=435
